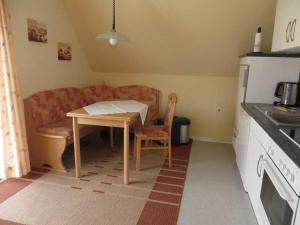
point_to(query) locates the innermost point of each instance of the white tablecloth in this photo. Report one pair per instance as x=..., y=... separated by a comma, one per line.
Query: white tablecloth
x=113, y=107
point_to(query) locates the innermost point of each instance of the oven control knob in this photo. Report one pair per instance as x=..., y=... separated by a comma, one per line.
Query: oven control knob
x=287, y=172
x=292, y=177
x=281, y=165
x=270, y=151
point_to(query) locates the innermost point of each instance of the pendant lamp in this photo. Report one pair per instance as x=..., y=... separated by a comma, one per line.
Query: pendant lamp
x=113, y=37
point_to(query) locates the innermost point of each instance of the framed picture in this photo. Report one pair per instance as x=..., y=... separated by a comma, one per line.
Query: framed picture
x=64, y=51
x=37, y=31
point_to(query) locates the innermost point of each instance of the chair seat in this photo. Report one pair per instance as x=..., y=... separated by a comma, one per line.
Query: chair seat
x=152, y=131
x=65, y=128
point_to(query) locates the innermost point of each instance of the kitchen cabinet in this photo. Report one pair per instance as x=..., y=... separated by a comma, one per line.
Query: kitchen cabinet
x=286, y=36
x=241, y=147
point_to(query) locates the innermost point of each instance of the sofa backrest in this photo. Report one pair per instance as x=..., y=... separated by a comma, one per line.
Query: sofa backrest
x=94, y=94
x=51, y=106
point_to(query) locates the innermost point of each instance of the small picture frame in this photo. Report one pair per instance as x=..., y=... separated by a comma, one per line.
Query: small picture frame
x=64, y=51
x=36, y=31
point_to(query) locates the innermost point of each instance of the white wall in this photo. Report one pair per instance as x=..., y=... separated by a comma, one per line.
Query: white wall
x=37, y=65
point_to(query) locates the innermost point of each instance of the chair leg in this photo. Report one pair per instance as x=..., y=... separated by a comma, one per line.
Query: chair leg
x=134, y=146
x=170, y=153
x=165, y=150
x=111, y=137
x=138, y=154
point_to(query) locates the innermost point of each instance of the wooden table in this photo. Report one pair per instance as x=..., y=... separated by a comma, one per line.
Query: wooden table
x=122, y=120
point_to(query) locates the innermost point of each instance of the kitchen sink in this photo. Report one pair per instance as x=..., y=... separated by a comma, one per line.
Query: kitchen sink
x=280, y=118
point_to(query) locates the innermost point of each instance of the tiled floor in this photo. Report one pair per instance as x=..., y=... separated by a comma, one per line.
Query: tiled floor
x=213, y=193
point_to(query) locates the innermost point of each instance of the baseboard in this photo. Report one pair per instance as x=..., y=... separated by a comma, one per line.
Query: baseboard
x=208, y=139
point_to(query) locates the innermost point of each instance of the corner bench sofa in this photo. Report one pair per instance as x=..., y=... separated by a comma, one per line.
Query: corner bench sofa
x=49, y=131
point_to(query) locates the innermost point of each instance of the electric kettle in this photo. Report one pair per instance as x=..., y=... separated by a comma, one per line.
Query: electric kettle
x=287, y=92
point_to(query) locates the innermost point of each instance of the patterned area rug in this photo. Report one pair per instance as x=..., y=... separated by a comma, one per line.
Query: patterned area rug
x=99, y=197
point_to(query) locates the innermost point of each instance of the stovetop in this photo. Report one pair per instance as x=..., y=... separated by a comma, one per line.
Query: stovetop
x=293, y=134
x=284, y=140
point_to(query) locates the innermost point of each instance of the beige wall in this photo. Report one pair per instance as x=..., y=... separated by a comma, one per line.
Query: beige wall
x=207, y=100
x=37, y=64
x=191, y=37
x=196, y=42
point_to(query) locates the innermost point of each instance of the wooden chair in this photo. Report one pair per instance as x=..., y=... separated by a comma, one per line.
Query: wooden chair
x=156, y=133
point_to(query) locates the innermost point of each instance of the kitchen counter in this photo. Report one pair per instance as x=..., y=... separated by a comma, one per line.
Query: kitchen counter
x=290, y=148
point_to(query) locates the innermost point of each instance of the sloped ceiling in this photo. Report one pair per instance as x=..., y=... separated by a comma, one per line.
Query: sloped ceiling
x=194, y=37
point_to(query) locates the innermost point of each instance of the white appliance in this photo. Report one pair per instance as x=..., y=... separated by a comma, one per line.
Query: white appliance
x=258, y=79
x=276, y=198
x=252, y=179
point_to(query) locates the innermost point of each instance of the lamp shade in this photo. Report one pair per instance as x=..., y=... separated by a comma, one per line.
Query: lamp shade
x=113, y=37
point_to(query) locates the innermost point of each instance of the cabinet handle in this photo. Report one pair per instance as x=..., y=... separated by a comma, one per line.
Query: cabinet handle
x=258, y=167
x=288, y=32
x=293, y=28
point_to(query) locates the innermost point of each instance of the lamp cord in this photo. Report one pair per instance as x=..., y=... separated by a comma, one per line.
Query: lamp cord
x=114, y=16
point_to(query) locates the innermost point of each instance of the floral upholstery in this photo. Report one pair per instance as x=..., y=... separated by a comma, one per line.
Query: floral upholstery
x=72, y=98
x=152, y=131
x=94, y=94
x=64, y=128
x=140, y=93
x=51, y=106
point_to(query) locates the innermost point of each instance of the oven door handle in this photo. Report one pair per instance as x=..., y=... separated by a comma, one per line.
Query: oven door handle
x=275, y=180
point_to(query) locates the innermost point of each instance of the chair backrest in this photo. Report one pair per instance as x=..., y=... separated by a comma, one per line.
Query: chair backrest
x=169, y=113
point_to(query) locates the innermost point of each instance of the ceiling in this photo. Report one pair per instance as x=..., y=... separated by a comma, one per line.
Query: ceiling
x=193, y=37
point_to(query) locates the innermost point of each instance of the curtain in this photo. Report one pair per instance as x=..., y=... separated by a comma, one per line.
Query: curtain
x=14, y=157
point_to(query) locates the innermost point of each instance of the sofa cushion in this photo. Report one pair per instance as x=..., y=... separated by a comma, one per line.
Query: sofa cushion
x=136, y=92
x=64, y=128
x=51, y=106
x=151, y=131
x=71, y=99
x=94, y=94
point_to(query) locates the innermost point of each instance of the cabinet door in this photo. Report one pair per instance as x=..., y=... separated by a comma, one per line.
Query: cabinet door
x=254, y=169
x=286, y=14
x=296, y=27
x=243, y=78
x=242, y=144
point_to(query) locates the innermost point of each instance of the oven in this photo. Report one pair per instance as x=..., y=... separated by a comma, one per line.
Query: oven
x=278, y=202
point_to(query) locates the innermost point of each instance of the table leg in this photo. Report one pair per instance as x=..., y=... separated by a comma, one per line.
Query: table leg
x=76, y=147
x=111, y=137
x=126, y=152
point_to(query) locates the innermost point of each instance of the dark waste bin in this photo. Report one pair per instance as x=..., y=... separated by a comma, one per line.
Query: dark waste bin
x=180, y=130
